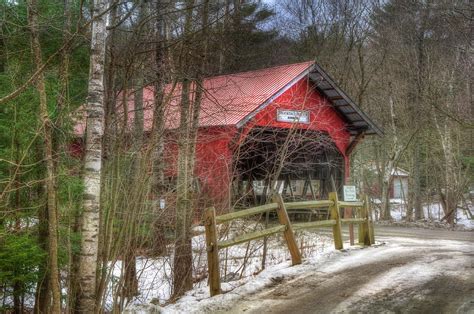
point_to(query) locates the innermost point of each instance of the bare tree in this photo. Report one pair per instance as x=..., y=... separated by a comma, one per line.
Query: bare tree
x=51, y=188
x=191, y=96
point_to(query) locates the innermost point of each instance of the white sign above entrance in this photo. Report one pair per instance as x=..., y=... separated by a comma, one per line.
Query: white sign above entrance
x=293, y=116
x=350, y=194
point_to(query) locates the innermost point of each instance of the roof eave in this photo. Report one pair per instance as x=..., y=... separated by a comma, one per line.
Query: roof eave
x=373, y=128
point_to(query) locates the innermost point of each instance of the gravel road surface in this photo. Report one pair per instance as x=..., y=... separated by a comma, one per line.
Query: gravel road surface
x=414, y=271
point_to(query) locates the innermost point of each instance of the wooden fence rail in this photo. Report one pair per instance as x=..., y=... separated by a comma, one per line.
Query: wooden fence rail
x=363, y=219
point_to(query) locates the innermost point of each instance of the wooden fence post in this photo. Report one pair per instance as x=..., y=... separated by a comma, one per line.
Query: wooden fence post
x=336, y=229
x=364, y=231
x=370, y=223
x=288, y=233
x=212, y=252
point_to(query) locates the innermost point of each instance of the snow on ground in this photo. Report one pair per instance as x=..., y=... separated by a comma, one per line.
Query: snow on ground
x=241, y=265
x=331, y=262
x=199, y=301
x=238, y=265
x=433, y=213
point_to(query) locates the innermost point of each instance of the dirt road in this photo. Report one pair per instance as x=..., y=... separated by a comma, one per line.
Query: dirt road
x=416, y=271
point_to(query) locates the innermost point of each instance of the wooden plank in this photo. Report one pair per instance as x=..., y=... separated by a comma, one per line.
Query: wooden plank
x=263, y=200
x=362, y=231
x=359, y=137
x=212, y=252
x=246, y=212
x=305, y=188
x=370, y=225
x=291, y=188
x=347, y=221
x=366, y=225
x=371, y=232
x=288, y=233
x=300, y=212
x=250, y=236
x=336, y=229
x=314, y=224
x=351, y=204
x=313, y=194
x=309, y=204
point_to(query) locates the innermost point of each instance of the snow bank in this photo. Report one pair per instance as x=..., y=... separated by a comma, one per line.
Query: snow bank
x=239, y=265
x=395, y=279
x=199, y=301
x=433, y=213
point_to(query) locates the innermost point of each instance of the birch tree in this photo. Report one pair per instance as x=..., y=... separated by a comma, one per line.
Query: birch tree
x=86, y=296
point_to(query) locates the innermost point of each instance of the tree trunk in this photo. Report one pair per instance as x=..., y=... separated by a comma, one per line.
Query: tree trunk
x=223, y=33
x=390, y=165
x=108, y=145
x=189, y=122
x=48, y=157
x=17, y=306
x=42, y=291
x=449, y=194
x=385, y=211
x=420, y=88
x=182, y=269
x=417, y=204
x=3, y=54
x=182, y=265
x=130, y=287
x=62, y=100
x=86, y=296
x=157, y=139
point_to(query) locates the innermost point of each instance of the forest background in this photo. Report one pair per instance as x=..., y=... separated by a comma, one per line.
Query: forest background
x=407, y=63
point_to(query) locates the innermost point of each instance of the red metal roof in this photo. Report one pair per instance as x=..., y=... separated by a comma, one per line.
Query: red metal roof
x=230, y=98
x=233, y=99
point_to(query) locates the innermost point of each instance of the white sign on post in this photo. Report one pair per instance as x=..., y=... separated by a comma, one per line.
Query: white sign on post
x=350, y=194
x=293, y=116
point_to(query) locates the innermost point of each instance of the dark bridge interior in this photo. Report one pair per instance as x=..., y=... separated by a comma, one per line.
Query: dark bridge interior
x=299, y=164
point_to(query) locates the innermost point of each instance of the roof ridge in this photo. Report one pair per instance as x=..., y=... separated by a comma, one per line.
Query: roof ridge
x=263, y=69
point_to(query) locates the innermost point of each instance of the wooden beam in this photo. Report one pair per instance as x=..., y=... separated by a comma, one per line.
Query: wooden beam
x=247, y=212
x=328, y=79
x=335, y=215
x=309, y=204
x=314, y=224
x=350, y=204
x=364, y=228
x=251, y=236
x=291, y=188
x=347, y=221
x=288, y=233
x=370, y=222
x=359, y=137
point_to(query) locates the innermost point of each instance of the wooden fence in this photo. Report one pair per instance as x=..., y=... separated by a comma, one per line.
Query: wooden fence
x=366, y=231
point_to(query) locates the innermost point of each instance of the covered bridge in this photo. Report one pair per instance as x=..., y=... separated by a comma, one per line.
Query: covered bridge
x=288, y=128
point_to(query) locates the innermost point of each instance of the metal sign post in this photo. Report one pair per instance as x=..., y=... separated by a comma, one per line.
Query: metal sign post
x=350, y=195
